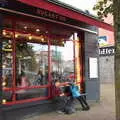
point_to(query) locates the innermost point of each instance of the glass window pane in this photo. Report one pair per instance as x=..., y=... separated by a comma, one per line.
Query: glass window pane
x=6, y=96
x=63, y=61
x=32, y=93
x=7, y=63
x=32, y=64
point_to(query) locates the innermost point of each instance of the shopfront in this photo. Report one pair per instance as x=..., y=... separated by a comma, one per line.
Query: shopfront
x=40, y=53
x=39, y=46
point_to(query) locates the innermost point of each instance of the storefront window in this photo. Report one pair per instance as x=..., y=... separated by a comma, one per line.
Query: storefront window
x=34, y=56
x=63, y=61
x=32, y=68
x=32, y=61
x=7, y=70
x=7, y=63
x=31, y=93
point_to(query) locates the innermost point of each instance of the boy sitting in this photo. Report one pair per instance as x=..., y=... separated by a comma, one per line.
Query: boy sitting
x=60, y=98
x=76, y=94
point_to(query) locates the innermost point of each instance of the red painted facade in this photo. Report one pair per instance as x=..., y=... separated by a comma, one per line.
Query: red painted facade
x=68, y=13
x=49, y=29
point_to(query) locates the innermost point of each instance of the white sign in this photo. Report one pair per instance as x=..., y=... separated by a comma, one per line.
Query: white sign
x=93, y=68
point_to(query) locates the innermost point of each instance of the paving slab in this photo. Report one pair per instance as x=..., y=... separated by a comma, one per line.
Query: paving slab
x=103, y=110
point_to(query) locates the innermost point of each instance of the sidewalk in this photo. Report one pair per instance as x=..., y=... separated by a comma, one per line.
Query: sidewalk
x=105, y=110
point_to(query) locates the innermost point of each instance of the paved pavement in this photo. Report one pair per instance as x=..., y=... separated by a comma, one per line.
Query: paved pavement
x=103, y=110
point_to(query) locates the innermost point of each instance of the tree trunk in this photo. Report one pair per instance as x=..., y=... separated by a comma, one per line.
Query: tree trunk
x=116, y=7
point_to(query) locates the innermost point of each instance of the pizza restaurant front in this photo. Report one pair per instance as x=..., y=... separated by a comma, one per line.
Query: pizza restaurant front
x=39, y=46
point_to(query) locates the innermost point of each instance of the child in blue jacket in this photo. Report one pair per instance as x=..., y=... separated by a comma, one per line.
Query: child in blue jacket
x=76, y=94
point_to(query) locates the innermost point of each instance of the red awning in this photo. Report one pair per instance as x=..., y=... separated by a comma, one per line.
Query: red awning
x=67, y=12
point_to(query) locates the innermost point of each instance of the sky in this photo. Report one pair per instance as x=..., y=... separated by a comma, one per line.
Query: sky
x=82, y=4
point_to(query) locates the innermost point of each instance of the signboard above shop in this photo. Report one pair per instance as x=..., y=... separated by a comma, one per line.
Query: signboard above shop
x=106, y=51
x=53, y=16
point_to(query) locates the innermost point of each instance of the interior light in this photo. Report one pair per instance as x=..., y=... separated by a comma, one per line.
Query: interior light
x=25, y=27
x=4, y=84
x=20, y=56
x=9, y=46
x=4, y=32
x=37, y=30
x=30, y=37
x=42, y=39
x=16, y=35
x=4, y=101
x=46, y=32
x=4, y=66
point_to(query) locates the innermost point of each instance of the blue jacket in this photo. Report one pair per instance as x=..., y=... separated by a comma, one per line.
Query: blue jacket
x=75, y=91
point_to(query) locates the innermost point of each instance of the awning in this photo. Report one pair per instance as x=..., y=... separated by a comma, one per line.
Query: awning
x=44, y=4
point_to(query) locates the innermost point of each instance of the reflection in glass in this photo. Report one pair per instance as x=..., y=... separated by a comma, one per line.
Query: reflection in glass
x=32, y=93
x=7, y=63
x=6, y=96
x=63, y=62
x=32, y=64
x=6, y=70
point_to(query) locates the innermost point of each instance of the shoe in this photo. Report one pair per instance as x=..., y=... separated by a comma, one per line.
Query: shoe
x=85, y=109
x=60, y=112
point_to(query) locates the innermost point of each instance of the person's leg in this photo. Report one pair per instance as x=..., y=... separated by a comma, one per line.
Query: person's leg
x=60, y=103
x=81, y=102
x=84, y=102
x=69, y=107
x=70, y=101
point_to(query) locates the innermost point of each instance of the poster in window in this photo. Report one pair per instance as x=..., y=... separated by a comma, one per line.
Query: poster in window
x=93, y=68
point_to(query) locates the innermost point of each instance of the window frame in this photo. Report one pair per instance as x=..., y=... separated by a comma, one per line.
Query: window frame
x=49, y=85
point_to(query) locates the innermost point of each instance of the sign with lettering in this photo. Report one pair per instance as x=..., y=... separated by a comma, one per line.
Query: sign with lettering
x=105, y=51
x=51, y=15
x=16, y=5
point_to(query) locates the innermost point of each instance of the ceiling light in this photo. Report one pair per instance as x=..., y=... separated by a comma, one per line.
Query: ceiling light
x=30, y=37
x=4, y=66
x=4, y=84
x=42, y=39
x=4, y=32
x=16, y=35
x=25, y=27
x=37, y=30
x=4, y=101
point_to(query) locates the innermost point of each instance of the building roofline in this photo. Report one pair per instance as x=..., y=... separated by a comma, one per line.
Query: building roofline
x=70, y=7
x=68, y=11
